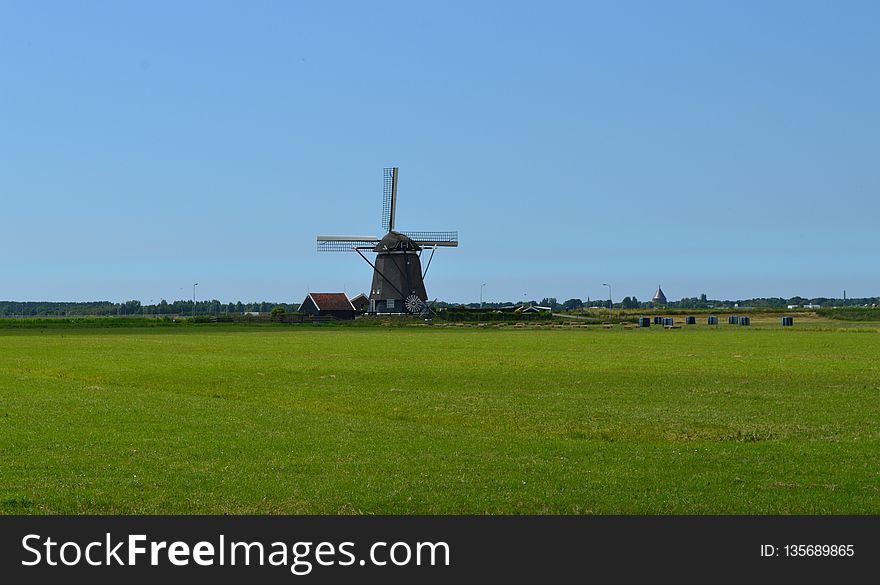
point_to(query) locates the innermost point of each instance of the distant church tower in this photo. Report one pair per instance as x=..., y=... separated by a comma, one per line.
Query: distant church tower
x=659, y=297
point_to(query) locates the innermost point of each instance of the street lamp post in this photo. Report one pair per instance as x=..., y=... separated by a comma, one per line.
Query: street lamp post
x=610, y=301
x=194, y=299
x=481, y=294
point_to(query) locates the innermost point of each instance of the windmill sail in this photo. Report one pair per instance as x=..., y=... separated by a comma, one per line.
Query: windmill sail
x=346, y=243
x=431, y=239
x=389, y=198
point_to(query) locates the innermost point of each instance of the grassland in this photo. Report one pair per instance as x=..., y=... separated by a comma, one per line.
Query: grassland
x=304, y=419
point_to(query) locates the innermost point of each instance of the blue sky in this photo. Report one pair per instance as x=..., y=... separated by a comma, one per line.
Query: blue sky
x=726, y=148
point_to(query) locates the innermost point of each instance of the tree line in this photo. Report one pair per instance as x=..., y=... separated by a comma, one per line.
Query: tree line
x=215, y=307
x=700, y=302
x=131, y=308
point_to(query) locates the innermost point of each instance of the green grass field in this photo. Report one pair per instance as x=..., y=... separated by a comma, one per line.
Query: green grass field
x=364, y=420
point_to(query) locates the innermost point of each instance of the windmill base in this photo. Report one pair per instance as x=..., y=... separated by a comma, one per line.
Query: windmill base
x=391, y=307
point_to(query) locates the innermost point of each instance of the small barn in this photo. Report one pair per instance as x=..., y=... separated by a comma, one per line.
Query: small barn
x=361, y=303
x=334, y=305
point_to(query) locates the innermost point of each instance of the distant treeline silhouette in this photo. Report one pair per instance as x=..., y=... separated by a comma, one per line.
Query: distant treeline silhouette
x=215, y=307
x=129, y=308
x=701, y=302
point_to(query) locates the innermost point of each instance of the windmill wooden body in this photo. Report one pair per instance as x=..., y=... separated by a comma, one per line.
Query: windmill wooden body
x=398, y=279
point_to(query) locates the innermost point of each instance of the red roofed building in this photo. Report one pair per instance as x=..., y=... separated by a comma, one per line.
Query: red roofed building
x=334, y=305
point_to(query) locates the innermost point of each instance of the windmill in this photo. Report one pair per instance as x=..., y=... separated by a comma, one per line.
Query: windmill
x=398, y=279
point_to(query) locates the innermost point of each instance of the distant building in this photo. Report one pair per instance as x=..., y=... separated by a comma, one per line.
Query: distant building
x=361, y=303
x=528, y=309
x=659, y=297
x=334, y=305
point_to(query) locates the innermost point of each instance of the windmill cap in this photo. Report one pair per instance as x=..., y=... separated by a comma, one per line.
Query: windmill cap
x=396, y=241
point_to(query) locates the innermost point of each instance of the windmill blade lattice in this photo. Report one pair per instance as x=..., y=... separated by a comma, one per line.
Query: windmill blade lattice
x=389, y=198
x=428, y=239
x=346, y=243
